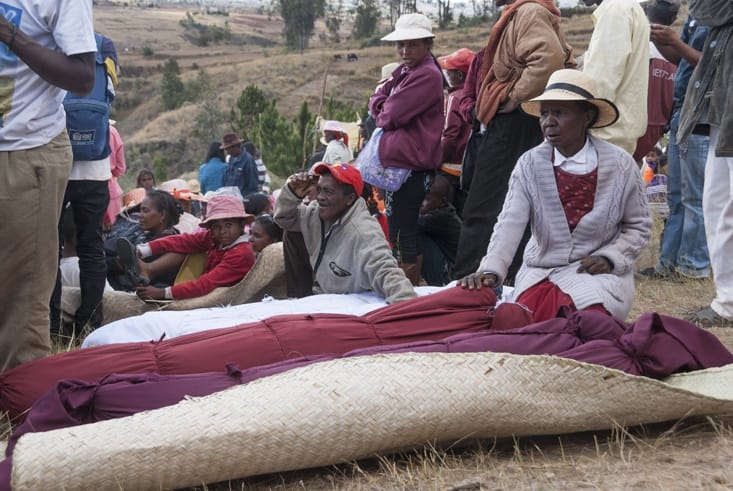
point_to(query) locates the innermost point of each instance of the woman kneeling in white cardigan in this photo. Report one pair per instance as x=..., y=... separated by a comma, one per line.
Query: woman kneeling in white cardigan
x=584, y=200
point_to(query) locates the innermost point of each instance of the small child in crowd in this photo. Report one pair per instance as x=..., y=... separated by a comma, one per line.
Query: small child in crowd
x=263, y=232
x=145, y=180
x=439, y=227
x=229, y=254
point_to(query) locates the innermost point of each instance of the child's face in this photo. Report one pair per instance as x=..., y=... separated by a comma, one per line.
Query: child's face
x=146, y=181
x=226, y=230
x=431, y=202
x=259, y=237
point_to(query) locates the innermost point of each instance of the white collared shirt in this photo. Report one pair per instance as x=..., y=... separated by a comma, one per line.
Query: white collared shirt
x=583, y=162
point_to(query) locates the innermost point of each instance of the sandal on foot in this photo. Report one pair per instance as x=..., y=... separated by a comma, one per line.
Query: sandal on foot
x=707, y=317
x=127, y=256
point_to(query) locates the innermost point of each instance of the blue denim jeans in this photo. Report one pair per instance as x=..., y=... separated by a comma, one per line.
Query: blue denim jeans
x=684, y=247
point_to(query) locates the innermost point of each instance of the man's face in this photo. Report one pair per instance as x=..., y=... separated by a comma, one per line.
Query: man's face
x=234, y=150
x=332, y=200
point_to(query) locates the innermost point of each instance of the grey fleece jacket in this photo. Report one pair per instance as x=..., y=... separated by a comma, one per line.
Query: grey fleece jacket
x=354, y=254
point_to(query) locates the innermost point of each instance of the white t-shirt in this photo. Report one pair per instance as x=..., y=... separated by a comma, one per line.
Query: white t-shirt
x=31, y=110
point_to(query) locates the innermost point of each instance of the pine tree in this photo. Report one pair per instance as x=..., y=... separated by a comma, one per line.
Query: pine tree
x=367, y=17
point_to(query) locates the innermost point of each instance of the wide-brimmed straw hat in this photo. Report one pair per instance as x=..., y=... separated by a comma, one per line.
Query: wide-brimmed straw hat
x=411, y=26
x=574, y=85
x=225, y=206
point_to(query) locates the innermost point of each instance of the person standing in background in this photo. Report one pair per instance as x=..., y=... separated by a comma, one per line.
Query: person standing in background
x=684, y=248
x=709, y=104
x=618, y=59
x=525, y=47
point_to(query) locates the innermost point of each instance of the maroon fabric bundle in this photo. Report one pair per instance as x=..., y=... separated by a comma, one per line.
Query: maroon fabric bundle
x=274, y=339
x=655, y=346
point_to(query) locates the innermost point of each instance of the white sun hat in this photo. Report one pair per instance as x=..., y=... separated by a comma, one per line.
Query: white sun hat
x=411, y=26
x=573, y=85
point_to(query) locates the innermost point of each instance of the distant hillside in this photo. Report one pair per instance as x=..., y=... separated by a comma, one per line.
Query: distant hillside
x=147, y=37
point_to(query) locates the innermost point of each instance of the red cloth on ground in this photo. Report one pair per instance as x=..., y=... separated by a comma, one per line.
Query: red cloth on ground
x=278, y=338
x=577, y=193
x=545, y=299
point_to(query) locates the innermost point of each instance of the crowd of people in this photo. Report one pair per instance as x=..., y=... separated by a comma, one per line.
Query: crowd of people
x=518, y=164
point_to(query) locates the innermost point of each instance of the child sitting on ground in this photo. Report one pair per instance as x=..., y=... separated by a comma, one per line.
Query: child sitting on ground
x=229, y=254
x=263, y=232
x=439, y=227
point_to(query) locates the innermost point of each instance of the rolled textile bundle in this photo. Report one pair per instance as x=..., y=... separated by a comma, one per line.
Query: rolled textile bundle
x=278, y=338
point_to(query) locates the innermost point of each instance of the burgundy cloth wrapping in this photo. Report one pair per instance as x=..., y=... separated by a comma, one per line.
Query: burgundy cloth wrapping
x=274, y=339
x=655, y=346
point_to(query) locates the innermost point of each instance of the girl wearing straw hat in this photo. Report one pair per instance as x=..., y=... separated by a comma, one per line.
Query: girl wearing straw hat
x=409, y=109
x=584, y=200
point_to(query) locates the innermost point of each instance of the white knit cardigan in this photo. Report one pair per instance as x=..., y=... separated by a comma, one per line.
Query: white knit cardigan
x=618, y=228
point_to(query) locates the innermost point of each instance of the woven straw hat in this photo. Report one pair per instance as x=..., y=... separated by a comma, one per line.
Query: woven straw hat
x=573, y=85
x=411, y=26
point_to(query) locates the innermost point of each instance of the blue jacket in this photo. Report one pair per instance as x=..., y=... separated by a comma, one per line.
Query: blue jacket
x=211, y=174
x=242, y=172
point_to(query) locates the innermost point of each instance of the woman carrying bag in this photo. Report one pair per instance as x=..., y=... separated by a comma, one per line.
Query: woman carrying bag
x=409, y=109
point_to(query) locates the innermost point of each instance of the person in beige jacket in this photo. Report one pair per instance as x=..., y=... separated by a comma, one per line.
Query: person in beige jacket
x=346, y=245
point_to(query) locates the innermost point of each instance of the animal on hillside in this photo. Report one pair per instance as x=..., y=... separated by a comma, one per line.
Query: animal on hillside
x=337, y=57
x=352, y=57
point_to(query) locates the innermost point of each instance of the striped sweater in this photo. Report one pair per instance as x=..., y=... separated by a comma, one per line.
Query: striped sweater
x=618, y=228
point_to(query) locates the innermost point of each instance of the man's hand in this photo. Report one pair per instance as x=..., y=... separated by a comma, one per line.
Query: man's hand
x=302, y=183
x=150, y=293
x=595, y=265
x=477, y=280
x=664, y=36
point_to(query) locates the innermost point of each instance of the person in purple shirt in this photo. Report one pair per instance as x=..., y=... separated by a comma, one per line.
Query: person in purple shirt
x=409, y=108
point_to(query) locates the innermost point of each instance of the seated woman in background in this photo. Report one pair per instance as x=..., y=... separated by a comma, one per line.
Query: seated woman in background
x=158, y=216
x=263, y=232
x=584, y=200
x=229, y=255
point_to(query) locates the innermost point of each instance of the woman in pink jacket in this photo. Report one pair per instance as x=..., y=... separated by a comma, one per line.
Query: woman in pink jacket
x=229, y=255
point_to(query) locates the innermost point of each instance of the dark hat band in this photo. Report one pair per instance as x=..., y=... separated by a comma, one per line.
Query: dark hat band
x=570, y=88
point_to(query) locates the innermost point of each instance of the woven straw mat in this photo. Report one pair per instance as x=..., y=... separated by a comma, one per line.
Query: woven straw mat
x=353, y=408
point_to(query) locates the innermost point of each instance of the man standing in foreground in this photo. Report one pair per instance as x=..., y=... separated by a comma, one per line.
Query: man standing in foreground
x=39, y=61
